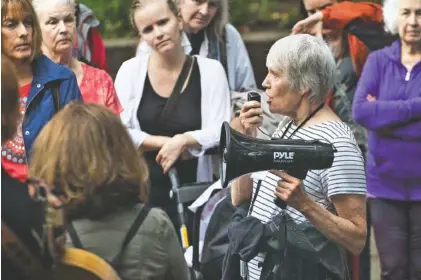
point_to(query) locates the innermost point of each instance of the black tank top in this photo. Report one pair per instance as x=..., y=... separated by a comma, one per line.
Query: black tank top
x=186, y=116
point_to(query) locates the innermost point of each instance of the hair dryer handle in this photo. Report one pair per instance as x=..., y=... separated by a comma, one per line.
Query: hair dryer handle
x=297, y=173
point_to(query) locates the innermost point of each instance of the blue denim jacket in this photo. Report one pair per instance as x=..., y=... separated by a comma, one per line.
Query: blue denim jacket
x=40, y=106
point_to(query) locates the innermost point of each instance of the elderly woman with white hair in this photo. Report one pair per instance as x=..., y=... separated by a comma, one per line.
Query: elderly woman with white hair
x=301, y=71
x=58, y=27
x=388, y=103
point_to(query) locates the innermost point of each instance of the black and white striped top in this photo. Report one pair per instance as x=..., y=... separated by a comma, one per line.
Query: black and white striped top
x=346, y=176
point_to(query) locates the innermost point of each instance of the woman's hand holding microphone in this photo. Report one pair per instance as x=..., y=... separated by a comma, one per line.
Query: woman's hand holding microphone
x=251, y=117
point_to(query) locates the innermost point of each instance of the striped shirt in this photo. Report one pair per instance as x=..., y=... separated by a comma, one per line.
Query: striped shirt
x=346, y=176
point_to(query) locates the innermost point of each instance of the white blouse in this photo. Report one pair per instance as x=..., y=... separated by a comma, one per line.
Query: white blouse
x=215, y=105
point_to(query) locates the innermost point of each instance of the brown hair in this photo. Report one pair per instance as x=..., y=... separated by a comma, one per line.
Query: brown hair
x=138, y=4
x=86, y=152
x=9, y=99
x=17, y=8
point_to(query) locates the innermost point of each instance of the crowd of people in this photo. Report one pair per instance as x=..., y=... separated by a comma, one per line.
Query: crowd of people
x=100, y=151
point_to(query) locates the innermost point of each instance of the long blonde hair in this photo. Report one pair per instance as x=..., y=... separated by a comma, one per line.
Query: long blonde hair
x=86, y=152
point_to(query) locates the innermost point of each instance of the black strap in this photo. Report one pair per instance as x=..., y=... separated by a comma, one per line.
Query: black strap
x=303, y=123
x=259, y=183
x=117, y=260
x=73, y=236
x=56, y=96
x=223, y=50
x=176, y=93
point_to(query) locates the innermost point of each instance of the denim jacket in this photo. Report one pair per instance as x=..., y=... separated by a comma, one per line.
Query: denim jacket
x=40, y=106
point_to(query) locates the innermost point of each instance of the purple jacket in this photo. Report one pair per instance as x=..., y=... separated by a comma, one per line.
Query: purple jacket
x=394, y=124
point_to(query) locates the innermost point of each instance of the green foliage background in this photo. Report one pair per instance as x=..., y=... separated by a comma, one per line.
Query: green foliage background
x=245, y=14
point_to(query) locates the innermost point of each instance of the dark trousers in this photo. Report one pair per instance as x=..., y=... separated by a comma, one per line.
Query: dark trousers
x=397, y=229
x=365, y=255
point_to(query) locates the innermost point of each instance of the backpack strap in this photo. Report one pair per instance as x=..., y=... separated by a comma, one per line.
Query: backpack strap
x=73, y=236
x=117, y=261
x=56, y=96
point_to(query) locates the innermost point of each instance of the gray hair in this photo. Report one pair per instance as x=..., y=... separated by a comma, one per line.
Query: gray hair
x=217, y=26
x=390, y=16
x=307, y=62
x=42, y=5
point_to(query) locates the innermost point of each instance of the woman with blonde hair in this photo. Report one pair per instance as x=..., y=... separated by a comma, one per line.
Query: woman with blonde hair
x=44, y=87
x=103, y=179
x=58, y=27
x=174, y=104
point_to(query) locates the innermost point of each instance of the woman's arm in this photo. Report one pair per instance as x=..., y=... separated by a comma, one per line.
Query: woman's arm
x=348, y=228
x=345, y=184
x=408, y=132
x=161, y=255
x=125, y=92
x=339, y=15
x=215, y=106
x=177, y=263
x=241, y=190
x=380, y=114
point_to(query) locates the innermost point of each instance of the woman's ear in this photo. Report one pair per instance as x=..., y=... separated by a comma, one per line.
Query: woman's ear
x=180, y=21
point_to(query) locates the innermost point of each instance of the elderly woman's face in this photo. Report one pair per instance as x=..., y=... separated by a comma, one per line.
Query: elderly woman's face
x=58, y=27
x=197, y=14
x=158, y=26
x=281, y=99
x=409, y=21
x=17, y=34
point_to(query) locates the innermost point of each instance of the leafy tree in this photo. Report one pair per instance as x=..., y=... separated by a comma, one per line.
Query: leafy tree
x=115, y=22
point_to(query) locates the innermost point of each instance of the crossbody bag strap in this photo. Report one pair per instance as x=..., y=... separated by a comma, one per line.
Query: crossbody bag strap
x=19, y=254
x=56, y=96
x=117, y=261
x=181, y=83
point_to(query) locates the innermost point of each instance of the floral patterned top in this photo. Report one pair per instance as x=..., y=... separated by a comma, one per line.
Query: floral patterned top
x=98, y=87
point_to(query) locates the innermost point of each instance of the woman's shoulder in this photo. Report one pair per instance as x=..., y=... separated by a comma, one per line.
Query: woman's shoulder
x=232, y=32
x=91, y=72
x=132, y=65
x=156, y=222
x=46, y=69
x=209, y=65
x=337, y=133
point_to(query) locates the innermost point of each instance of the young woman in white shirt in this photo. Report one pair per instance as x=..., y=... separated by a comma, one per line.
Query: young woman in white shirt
x=144, y=85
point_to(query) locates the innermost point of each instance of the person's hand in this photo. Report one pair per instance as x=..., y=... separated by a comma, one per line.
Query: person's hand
x=311, y=25
x=170, y=152
x=54, y=225
x=291, y=191
x=251, y=117
x=371, y=98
